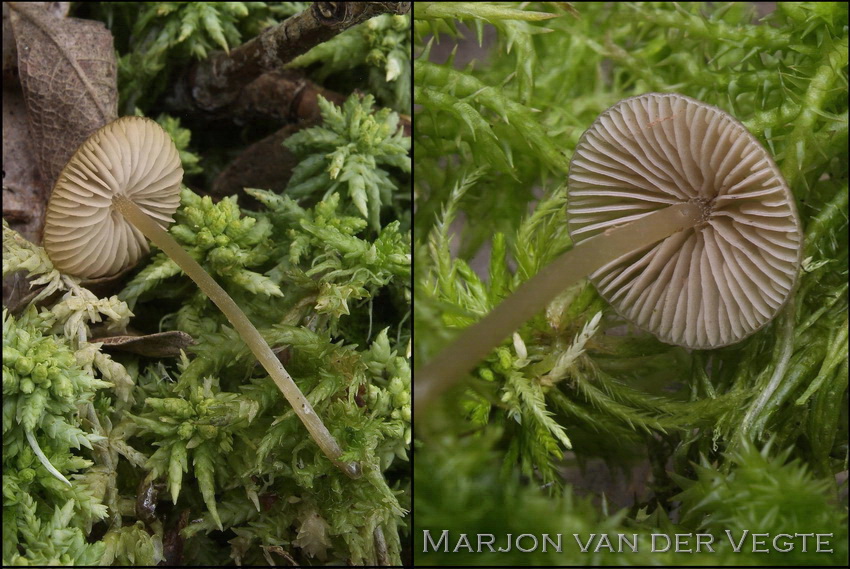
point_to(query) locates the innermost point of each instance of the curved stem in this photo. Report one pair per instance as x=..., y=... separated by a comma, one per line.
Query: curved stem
x=754, y=420
x=243, y=326
x=475, y=342
x=42, y=458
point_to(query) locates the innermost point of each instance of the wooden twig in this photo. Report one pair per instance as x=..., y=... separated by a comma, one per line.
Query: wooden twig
x=218, y=80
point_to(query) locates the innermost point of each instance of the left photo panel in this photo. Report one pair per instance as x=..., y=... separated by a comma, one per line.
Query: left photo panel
x=207, y=284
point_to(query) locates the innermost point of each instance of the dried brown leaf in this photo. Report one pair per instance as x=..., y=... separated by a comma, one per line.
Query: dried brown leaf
x=68, y=73
x=160, y=345
x=24, y=192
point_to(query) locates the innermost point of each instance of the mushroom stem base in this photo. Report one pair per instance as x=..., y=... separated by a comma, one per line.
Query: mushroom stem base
x=475, y=342
x=243, y=326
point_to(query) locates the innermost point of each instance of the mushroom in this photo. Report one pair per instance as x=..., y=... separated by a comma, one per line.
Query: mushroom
x=680, y=218
x=122, y=185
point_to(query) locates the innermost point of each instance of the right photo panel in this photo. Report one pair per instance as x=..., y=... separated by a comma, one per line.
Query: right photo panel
x=630, y=252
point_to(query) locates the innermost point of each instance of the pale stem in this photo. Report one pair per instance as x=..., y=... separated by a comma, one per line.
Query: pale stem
x=243, y=326
x=475, y=342
x=753, y=422
x=42, y=458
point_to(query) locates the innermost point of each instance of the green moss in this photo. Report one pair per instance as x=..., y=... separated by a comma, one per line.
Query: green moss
x=146, y=452
x=492, y=146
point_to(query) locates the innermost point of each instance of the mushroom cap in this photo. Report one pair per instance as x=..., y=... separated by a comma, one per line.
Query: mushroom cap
x=704, y=287
x=84, y=234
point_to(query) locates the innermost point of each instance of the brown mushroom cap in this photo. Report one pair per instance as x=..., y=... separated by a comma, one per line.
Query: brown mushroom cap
x=84, y=234
x=704, y=287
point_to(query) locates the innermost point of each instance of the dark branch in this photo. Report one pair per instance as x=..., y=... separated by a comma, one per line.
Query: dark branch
x=217, y=81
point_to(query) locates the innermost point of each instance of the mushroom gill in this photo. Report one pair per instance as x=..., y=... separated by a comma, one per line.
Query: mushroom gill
x=84, y=234
x=710, y=285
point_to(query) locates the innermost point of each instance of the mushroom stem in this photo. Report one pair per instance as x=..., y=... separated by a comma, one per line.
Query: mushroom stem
x=243, y=326
x=475, y=342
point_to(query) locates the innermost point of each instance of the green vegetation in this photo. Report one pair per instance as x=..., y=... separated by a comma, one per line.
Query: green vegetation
x=116, y=458
x=492, y=143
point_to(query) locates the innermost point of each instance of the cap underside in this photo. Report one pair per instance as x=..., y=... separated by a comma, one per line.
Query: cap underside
x=84, y=234
x=705, y=287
